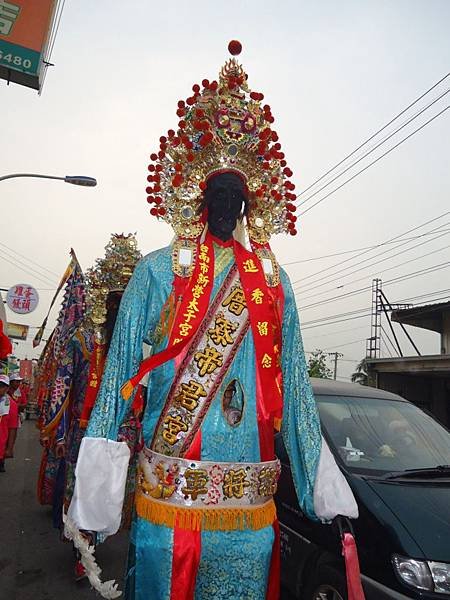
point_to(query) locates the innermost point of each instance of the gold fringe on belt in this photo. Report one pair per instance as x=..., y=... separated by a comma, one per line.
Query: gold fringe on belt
x=211, y=519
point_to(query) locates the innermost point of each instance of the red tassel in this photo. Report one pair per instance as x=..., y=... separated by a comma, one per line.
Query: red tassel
x=138, y=402
x=350, y=554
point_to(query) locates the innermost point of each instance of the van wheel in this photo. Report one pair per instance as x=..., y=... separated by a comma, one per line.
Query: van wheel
x=328, y=584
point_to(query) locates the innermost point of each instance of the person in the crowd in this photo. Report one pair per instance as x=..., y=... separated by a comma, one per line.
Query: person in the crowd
x=9, y=422
x=18, y=392
x=66, y=409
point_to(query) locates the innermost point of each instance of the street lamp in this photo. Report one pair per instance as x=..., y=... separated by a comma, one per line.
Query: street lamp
x=74, y=179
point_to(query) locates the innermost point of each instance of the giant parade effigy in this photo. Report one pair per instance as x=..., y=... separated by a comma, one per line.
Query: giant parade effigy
x=226, y=368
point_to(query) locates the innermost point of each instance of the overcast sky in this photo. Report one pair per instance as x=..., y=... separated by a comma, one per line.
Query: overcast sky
x=333, y=71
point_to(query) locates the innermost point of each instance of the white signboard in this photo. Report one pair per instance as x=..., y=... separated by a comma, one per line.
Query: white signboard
x=22, y=298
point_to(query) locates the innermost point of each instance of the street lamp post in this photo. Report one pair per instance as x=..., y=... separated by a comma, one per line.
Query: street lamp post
x=73, y=179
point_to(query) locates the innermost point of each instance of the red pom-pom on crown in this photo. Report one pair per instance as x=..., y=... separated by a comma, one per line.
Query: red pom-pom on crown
x=234, y=47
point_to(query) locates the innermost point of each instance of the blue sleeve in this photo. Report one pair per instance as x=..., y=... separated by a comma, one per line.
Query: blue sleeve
x=301, y=426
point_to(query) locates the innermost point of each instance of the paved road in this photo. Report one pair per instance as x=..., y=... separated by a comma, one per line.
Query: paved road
x=34, y=564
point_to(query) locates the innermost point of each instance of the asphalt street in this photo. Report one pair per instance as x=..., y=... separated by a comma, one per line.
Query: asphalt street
x=34, y=563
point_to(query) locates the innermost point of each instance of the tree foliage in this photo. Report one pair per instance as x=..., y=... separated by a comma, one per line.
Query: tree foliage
x=360, y=375
x=318, y=365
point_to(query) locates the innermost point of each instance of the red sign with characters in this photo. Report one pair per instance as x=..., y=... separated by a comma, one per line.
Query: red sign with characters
x=22, y=298
x=26, y=369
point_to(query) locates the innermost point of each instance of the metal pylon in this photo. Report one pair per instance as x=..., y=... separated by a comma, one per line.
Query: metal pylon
x=373, y=343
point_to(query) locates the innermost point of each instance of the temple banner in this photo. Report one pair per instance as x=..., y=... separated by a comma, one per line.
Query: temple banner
x=25, y=27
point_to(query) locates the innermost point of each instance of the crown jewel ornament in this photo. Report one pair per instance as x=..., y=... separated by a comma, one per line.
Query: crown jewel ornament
x=223, y=127
x=110, y=273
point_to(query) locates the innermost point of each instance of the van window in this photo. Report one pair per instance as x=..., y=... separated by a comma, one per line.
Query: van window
x=372, y=434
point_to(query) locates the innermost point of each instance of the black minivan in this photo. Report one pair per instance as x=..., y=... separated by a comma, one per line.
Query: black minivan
x=396, y=459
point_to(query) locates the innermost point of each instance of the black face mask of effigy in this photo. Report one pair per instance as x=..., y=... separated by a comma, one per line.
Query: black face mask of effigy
x=224, y=196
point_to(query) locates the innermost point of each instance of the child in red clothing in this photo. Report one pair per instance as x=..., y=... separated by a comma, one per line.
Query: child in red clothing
x=17, y=391
x=9, y=422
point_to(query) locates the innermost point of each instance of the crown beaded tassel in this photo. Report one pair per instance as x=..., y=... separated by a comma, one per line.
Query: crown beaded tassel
x=223, y=127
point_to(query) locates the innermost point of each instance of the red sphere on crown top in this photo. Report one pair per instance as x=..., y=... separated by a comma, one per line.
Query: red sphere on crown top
x=234, y=47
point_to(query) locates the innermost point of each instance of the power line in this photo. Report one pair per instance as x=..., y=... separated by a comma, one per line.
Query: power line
x=383, y=141
x=375, y=161
x=424, y=296
x=52, y=37
x=368, y=248
x=334, y=322
x=29, y=259
x=30, y=269
x=346, y=344
x=425, y=271
x=338, y=332
x=375, y=134
x=353, y=314
x=56, y=29
x=366, y=288
x=377, y=263
x=366, y=276
x=345, y=314
x=311, y=286
x=382, y=341
x=26, y=269
x=434, y=300
x=394, y=239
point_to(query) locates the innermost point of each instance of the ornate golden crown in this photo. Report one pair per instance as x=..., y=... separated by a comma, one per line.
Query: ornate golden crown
x=223, y=127
x=110, y=273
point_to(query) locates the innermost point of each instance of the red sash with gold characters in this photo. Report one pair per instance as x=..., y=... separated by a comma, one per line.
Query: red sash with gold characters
x=263, y=303
x=264, y=307
x=97, y=365
x=190, y=314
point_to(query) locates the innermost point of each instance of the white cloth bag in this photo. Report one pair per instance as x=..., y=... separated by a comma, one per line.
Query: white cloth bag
x=332, y=494
x=101, y=475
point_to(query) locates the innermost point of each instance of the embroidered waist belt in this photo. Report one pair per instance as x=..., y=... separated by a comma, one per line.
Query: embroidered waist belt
x=198, y=495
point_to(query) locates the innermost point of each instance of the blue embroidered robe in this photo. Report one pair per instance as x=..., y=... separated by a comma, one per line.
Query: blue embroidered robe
x=233, y=564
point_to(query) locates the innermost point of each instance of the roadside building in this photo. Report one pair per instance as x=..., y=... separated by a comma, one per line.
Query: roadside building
x=423, y=380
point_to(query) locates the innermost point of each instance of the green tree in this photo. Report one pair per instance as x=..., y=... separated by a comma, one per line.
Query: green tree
x=318, y=365
x=360, y=375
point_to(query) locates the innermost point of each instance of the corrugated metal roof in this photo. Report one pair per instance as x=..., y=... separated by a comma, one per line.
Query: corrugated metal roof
x=427, y=316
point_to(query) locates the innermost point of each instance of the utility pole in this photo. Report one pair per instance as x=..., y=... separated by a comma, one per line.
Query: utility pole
x=373, y=343
x=336, y=355
x=380, y=304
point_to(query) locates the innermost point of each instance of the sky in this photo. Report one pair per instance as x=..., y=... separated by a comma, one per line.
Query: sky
x=334, y=72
